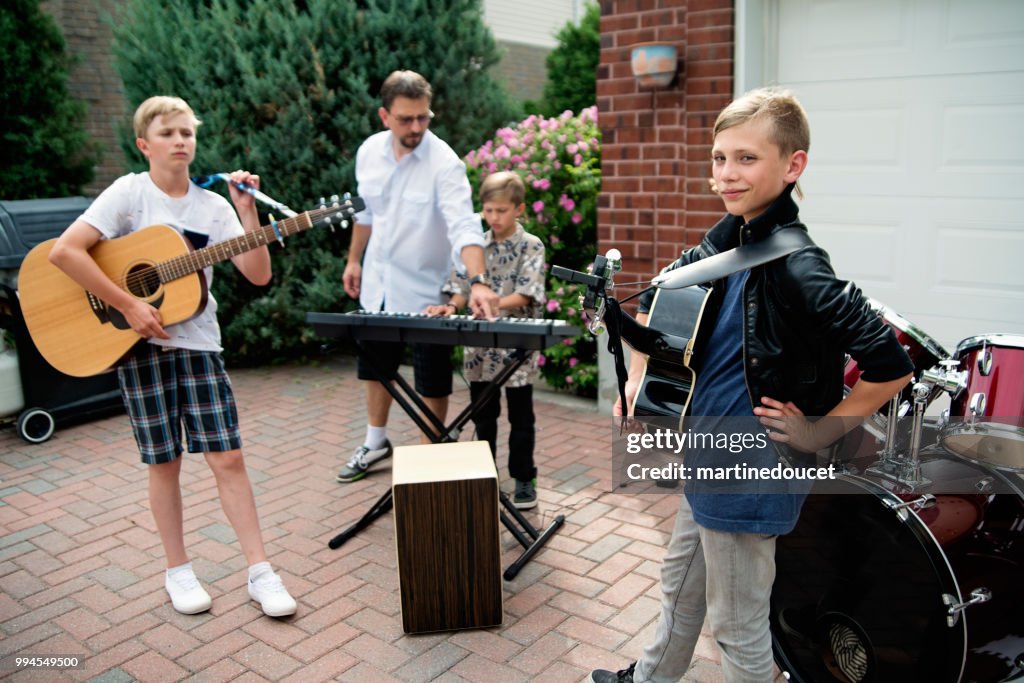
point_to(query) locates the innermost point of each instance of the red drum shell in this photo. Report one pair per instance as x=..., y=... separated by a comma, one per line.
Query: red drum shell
x=987, y=416
x=923, y=350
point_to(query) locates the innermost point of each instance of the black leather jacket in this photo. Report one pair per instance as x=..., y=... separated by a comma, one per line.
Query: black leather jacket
x=799, y=319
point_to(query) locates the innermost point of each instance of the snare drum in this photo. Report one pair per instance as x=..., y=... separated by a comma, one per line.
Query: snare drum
x=865, y=592
x=987, y=416
x=924, y=351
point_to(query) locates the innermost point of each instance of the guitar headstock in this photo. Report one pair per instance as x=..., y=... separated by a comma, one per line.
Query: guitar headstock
x=339, y=211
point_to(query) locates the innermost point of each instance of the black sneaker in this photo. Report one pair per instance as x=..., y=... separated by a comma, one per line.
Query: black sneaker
x=623, y=676
x=525, y=496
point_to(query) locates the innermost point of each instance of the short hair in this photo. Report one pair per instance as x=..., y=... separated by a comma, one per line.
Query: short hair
x=789, y=130
x=160, y=105
x=404, y=84
x=503, y=185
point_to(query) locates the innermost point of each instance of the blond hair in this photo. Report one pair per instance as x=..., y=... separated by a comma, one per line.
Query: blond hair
x=789, y=129
x=160, y=105
x=503, y=185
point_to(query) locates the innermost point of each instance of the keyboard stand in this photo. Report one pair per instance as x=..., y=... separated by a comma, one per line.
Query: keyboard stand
x=405, y=395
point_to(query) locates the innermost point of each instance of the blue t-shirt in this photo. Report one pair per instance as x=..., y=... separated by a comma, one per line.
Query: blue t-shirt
x=721, y=405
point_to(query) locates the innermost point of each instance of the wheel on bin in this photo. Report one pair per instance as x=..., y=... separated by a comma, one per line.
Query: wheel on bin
x=35, y=425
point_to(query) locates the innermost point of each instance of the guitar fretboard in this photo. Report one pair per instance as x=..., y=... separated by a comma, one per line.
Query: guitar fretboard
x=194, y=261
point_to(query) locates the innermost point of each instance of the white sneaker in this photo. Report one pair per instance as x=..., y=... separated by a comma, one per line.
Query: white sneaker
x=267, y=589
x=187, y=596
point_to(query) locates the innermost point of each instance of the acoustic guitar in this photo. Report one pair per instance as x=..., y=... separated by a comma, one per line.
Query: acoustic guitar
x=80, y=335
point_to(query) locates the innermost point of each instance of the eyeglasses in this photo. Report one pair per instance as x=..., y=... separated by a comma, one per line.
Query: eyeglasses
x=422, y=119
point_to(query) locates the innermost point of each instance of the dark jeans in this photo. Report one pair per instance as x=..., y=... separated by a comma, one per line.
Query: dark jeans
x=521, y=435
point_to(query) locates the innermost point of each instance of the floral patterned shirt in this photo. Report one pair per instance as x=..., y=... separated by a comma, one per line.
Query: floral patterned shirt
x=514, y=266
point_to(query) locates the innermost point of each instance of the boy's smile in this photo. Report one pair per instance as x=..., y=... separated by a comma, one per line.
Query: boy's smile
x=749, y=170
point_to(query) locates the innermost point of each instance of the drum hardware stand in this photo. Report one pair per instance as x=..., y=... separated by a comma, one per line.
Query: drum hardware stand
x=529, y=537
x=978, y=596
x=905, y=470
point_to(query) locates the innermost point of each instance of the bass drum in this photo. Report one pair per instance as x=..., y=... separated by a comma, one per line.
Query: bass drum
x=863, y=592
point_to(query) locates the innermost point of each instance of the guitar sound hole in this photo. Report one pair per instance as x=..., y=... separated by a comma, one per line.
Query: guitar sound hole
x=143, y=281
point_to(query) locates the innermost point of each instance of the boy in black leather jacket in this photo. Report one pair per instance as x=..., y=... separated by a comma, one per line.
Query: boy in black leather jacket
x=771, y=348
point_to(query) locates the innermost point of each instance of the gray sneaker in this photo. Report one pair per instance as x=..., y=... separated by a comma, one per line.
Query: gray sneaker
x=357, y=466
x=525, y=496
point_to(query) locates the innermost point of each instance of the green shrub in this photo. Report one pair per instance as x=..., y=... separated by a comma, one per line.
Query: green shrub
x=46, y=149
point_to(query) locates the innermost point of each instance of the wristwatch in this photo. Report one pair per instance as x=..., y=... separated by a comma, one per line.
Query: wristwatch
x=480, y=279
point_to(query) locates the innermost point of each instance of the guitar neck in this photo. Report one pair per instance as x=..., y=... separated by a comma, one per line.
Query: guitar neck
x=194, y=261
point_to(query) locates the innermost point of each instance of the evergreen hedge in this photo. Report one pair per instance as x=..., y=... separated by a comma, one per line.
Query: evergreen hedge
x=289, y=90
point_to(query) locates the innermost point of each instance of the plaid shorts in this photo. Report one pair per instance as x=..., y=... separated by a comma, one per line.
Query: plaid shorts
x=162, y=389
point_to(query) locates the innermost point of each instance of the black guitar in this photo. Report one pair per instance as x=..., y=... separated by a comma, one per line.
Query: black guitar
x=668, y=378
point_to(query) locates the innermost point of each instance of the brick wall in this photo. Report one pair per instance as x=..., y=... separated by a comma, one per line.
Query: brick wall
x=93, y=79
x=656, y=148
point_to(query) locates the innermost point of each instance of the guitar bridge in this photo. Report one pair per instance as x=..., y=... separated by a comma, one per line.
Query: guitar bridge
x=98, y=307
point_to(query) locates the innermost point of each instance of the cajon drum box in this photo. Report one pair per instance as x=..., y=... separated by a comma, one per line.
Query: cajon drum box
x=446, y=529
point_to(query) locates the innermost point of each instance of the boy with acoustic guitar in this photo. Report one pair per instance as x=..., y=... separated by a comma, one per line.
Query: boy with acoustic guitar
x=770, y=349
x=178, y=376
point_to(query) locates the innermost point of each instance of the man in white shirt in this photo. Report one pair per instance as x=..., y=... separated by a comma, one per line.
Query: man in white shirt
x=419, y=213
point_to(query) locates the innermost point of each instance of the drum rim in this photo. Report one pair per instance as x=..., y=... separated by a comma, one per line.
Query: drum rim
x=929, y=545
x=904, y=325
x=957, y=429
x=1000, y=339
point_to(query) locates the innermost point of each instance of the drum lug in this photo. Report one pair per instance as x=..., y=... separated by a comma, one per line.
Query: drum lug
x=924, y=502
x=977, y=405
x=985, y=360
x=984, y=485
x=978, y=596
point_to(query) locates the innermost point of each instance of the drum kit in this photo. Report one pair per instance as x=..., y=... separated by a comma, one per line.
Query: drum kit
x=920, y=577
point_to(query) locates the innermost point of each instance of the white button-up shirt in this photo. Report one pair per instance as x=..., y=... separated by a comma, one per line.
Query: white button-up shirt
x=420, y=211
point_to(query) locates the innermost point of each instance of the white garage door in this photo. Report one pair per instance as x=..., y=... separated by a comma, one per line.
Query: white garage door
x=916, y=179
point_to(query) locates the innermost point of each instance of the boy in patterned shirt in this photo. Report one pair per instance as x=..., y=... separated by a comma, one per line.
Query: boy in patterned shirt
x=515, y=270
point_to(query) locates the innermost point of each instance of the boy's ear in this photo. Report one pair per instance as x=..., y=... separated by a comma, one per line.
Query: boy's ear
x=520, y=209
x=797, y=164
x=143, y=146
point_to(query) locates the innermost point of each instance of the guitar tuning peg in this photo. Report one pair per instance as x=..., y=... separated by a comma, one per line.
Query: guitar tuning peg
x=323, y=202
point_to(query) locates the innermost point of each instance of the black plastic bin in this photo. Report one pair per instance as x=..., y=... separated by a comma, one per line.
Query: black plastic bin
x=51, y=397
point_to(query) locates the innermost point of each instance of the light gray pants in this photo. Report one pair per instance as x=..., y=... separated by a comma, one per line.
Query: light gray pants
x=735, y=594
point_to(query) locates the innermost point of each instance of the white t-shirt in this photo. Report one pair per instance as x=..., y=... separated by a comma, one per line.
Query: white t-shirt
x=133, y=202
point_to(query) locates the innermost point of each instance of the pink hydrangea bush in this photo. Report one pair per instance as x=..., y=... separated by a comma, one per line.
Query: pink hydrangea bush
x=559, y=160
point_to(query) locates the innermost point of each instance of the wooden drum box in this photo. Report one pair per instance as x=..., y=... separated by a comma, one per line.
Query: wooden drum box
x=446, y=529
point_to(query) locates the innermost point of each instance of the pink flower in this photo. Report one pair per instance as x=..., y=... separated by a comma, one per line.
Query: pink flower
x=553, y=306
x=538, y=206
x=573, y=361
x=568, y=379
x=567, y=203
x=554, y=240
x=576, y=218
x=541, y=360
x=542, y=184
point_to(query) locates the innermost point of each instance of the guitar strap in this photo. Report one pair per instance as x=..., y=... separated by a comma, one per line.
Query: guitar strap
x=744, y=257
